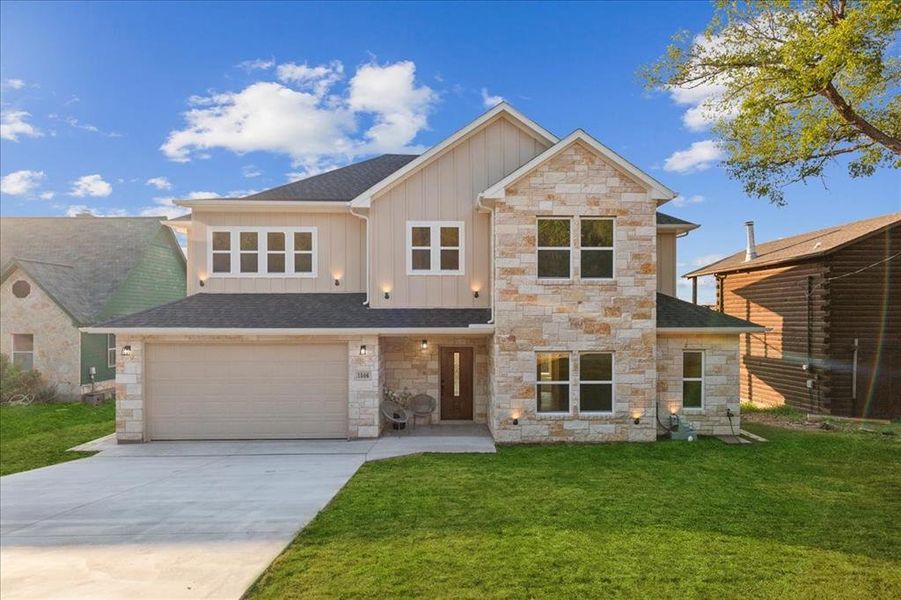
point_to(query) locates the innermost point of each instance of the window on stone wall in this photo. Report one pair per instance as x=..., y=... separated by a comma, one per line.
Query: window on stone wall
x=692, y=379
x=23, y=351
x=110, y=350
x=554, y=248
x=596, y=382
x=552, y=381
x=596, y=248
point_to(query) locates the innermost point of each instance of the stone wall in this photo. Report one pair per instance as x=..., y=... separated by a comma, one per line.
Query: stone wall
x=610, y=316
x=57, y=341
x=721, y=365
x=363, y=392
x=406, y=364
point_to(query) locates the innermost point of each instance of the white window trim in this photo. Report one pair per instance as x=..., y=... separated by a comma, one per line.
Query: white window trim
x=110, y=349
x=590, y=248
x=435, y=247
x=13, y=352
x=263, y=252
x=571, y=248
x=555, y=413
x=701, y=379
x=612, y=383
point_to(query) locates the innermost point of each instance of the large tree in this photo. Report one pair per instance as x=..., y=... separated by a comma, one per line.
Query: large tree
x=789, y=86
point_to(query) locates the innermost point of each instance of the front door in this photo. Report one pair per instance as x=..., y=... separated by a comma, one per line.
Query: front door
x=456, y=384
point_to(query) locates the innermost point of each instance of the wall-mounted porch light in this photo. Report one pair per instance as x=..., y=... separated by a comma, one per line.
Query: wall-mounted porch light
x=363, y=350
x=636, y=417
x=337, y=282
x=126, y=350
x=424, y=344
x=387, y=295
x=475, y=293
x=202, y=282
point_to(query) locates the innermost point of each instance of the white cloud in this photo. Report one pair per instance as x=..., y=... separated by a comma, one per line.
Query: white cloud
x=257, y=64
x=90, y=185
x=160, y=183
x=163, y=207
x=250, y=171
x=80, y=209
x=490, y=100
x=47, y=195
x=20, y=183
x=308, y=119
x=13, y=125
x=76, y=124
x=203, y=195
x=681, y=200
x=16, y=84
x=707, y=259
x=698, y=157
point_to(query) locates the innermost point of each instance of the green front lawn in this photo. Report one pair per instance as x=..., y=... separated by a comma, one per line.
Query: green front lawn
x=808, y=515
x=39, y=435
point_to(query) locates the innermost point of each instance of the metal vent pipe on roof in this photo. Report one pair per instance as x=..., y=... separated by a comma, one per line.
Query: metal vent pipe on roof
x=751, y=251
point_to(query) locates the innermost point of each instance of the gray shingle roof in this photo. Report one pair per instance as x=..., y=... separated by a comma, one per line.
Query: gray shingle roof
x=293, y=311
x=340, y=185
x=79, y=261
x=675, y=313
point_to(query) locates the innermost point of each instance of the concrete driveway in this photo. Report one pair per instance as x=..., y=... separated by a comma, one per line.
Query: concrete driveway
x=178, y=520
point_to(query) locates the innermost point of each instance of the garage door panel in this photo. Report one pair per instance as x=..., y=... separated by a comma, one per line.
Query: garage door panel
x=246, y=391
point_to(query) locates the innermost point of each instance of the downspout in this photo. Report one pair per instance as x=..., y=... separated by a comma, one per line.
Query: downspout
x=490, y=212
x=366, y=220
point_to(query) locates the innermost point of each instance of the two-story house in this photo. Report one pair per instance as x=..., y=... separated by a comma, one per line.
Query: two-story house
x=523, y=280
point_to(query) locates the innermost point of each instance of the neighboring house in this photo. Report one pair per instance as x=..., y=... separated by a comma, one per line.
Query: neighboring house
x=63, y=273
x=519, y=278
x=831, y=302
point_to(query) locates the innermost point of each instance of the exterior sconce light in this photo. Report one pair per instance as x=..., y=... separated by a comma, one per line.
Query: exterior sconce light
x=424, y=344
x=516, y=421
x=202, y=282
x=337, y=282
x=126, y=350
x=387, y=296
x=475, y=294
x=363, y=350
x=637, y=419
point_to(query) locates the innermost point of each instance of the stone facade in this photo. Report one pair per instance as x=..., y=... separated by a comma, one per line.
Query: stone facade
x=406, y=364
x=57, y=341
x=607, y=316
x=721, y=365
x=364, y=380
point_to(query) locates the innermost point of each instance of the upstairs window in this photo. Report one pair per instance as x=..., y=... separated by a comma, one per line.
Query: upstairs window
x=596, y=382
x=303, y=252
x=263, y=252
x=110, y=350
x=23, y=351
x=222, y=252
x=275, y=252
x=596, y=248
x=692, y=379
x=554, y=248
x=250, y=251
x=434, y=248
x=552, y=382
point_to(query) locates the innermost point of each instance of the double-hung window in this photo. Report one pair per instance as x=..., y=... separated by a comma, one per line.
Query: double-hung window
x=552, y=382
x=554, y=248
x=596, y=248
x=263, y=252
x=110, y=350
x=435, y=248
x=23, y=351
x=692, y=379
x=596, y=382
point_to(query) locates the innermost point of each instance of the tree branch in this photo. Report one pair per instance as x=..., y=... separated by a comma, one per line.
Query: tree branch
x=858, y=122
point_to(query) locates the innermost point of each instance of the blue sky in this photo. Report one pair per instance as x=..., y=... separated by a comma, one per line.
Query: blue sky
x=96, y=100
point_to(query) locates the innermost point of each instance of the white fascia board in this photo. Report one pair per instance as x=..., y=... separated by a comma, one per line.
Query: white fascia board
x=480, y=329
x=659, y=191
x=708, y=330
x=180, y=226
x=677, y=228
x=364, y=199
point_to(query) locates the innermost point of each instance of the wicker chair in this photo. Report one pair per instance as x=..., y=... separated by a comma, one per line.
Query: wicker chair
x=395, y=414
x=423, y=405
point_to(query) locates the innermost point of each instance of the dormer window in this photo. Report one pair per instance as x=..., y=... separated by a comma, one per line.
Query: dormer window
x=435, y=248
x=263, y=252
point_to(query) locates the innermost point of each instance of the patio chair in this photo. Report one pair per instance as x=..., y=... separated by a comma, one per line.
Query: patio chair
x=395, y=414
x=423, y=405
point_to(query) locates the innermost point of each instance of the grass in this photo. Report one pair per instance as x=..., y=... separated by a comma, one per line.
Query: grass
x=807, y=515
x=39, y=435
x=783, y=410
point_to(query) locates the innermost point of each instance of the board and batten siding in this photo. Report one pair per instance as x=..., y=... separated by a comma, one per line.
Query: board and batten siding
x=340, y=248
x=666, y=263
x=446, y=189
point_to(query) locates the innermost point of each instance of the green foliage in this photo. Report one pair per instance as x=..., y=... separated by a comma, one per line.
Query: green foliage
x=40, y=435
x=806, y=515
x=790, y=86
x=783, y=410
x=15, y=382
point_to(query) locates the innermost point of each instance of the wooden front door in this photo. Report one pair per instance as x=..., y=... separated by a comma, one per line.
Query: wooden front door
x=456, y=384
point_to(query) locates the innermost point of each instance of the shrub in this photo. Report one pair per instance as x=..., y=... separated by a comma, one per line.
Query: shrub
x=14, y=382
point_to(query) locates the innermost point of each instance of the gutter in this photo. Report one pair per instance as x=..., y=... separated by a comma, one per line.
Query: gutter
x=490, y=211
x=708, y=330
x=478, y=329
x=366, y=219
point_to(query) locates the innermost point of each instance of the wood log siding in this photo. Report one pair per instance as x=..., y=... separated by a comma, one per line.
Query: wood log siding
x=866, y=306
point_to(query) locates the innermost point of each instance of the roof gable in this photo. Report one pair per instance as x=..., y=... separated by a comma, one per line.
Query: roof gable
x=802, y=246
x=79, y=261
x=503, y=109
x=658, y=191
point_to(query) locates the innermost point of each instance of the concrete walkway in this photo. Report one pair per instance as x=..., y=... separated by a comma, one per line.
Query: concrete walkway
x=176, y=519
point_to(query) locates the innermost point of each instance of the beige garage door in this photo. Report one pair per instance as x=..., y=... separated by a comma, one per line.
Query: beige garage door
x=246, y=391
